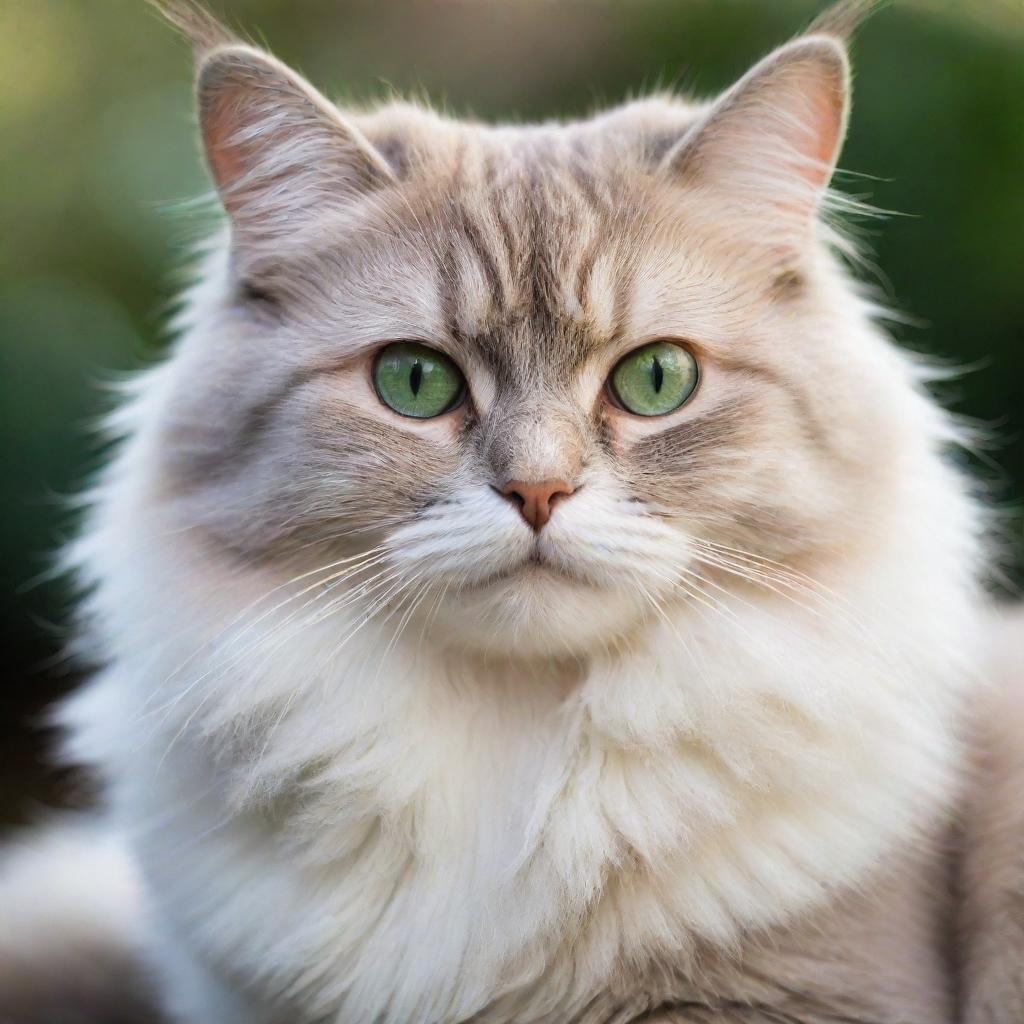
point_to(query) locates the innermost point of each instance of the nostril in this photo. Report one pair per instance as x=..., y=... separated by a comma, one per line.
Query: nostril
x=536, y=499
x=558, y=496
x=512, y=495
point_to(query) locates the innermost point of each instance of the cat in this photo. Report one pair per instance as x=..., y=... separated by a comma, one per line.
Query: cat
x=535, y=590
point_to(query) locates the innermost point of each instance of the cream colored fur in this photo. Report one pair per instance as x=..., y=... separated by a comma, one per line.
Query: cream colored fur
x=363, y=780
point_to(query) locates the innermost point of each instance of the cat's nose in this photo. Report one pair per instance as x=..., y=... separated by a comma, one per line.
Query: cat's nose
x=535, y=500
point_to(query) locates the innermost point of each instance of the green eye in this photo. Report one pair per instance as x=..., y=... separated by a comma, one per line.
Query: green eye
x=417, y=381
x=655, y=379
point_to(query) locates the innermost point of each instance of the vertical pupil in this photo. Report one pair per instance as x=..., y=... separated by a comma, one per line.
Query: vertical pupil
x=416, y=377
x=657, y=374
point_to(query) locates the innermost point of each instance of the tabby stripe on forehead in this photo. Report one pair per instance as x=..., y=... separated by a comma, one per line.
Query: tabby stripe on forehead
x=489, y=265
x=587, y=188
x=579, y=168
x=539, y=269
x=585, y=271
x=507, y=234
x=620, y=302
x=490, y=168
x=458, y=160
x=448, y=289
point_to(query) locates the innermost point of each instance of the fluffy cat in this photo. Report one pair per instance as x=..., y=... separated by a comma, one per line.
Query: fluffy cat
x=534, y=588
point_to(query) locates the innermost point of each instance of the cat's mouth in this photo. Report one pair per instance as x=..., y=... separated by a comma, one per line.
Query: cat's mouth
x=534, y=566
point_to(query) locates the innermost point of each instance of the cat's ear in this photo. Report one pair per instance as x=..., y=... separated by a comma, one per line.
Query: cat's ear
x=769, y=145
x=277, y=150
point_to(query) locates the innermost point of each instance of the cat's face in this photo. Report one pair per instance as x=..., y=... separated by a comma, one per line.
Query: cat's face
x=531, y=384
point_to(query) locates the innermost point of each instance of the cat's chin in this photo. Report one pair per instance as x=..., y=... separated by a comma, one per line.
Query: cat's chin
x=537, y=609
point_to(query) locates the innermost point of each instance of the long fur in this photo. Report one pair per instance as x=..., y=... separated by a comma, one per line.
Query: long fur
x=385, y=754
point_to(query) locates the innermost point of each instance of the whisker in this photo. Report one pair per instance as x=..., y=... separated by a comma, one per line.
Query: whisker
x=252, y=605
x=238, y=656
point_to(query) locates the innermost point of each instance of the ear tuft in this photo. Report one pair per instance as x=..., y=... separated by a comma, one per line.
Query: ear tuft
x=841, y=20
x=195, y=23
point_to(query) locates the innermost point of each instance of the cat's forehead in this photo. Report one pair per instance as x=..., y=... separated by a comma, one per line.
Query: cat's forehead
x=526, y=248
x=520, y=253
x=528, y=240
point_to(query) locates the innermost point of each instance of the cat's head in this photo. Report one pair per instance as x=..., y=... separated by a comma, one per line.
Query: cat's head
x=534, y=383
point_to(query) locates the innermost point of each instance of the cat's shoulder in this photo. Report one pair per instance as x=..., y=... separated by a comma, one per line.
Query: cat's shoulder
x=992, y=891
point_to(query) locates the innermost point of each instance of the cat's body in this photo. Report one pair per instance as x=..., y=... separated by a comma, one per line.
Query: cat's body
x=694, y=739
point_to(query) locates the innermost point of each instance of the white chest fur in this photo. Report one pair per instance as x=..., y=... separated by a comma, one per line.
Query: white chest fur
x=413, y=839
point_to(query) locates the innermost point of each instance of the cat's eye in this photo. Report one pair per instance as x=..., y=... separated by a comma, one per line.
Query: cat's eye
x=416, y=380
x=655, y=379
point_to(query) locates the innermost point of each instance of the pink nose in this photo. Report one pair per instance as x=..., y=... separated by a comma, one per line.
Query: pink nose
x=535, y=500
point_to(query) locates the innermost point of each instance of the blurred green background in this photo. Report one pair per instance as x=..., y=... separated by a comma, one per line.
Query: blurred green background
x=98, y=156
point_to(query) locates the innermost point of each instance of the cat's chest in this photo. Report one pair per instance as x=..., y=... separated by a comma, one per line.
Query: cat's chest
x=534, y=857
x=544, y=933
x=879, y=956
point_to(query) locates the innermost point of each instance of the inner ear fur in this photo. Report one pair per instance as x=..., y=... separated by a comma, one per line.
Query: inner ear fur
x=277, y=150
x=770, y=143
